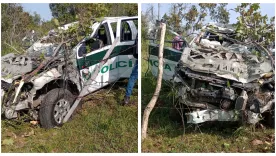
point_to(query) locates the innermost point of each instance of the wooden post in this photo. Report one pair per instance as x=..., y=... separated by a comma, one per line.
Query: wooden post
x=155, y=96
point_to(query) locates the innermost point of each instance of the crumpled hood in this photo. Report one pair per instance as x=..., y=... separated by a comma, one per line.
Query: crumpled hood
x=12, y=65
x=240, y=67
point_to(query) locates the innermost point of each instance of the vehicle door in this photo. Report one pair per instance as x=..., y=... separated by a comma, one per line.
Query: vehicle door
x=171, y=57
x=91, y=51
x=127, y=32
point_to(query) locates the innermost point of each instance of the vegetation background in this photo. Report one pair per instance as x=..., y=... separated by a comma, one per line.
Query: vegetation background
x=17, y=23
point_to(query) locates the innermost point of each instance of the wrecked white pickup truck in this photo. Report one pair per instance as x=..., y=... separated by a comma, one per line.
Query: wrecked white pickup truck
x=219, y=78
x=45, y=83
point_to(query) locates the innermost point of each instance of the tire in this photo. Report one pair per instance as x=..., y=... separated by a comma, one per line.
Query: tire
x=54, y=107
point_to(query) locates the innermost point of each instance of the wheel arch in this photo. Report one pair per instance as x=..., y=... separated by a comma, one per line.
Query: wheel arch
x=59, y=83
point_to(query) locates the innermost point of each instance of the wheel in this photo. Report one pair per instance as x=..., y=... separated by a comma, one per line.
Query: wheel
x=54, y=107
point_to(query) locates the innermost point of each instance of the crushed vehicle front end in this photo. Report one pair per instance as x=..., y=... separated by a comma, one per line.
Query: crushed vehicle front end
x=222, y=79
x=26, y=79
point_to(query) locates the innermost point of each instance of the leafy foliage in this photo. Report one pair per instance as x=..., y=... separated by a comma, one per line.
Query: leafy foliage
x=70, y=12
x=194, y=15
x=185, y=16
x=86, y=15
x=65, y=12
x=252, y=26
x=17, y=24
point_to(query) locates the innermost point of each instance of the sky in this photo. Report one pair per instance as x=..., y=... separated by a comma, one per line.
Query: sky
x=265, y=8
x=45, y=13
x=42, y=9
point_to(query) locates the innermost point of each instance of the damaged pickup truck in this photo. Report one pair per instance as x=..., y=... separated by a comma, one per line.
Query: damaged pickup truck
x=45, y=82
x=220, y=78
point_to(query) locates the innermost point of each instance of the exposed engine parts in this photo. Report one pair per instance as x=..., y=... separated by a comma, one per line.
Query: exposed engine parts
x=25, y=95
x=241, y=101
x=224, y=82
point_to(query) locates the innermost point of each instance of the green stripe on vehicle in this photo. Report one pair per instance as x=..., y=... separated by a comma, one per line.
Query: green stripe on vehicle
x=95, y=58
x=168, y=54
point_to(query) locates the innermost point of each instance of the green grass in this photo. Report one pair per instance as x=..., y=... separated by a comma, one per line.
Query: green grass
x=210, y=140
x=165, y=133
x=102, y=125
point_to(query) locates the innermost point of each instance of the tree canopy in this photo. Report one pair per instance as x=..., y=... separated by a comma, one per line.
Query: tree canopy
x=17, y=23
x=86, y=14
x=193, y=15
x=251, y=25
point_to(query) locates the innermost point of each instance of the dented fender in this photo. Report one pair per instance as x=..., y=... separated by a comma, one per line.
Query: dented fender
x=45, y=78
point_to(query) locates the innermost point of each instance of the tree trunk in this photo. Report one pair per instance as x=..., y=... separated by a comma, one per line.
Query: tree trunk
x=155, y=96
